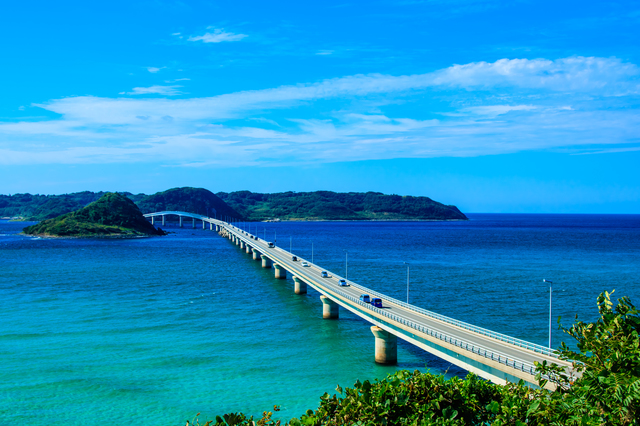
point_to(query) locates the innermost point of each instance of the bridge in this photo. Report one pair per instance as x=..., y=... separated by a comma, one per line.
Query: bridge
x=491, y=355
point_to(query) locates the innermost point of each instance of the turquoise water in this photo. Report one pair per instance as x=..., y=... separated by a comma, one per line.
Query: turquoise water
x=153, y=331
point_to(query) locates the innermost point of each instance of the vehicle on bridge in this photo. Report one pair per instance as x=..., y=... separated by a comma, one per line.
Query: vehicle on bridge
x=324, y=274
x=305, y=263
x=343, y=283
x=294, y=258
x=271, y=245
x=365, y=298
x=377, y=302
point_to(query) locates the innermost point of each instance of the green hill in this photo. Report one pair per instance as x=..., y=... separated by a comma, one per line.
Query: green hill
x=327, y=205
x=245, y=205
x=113, y=215
x=187, y=199
x=40, y=207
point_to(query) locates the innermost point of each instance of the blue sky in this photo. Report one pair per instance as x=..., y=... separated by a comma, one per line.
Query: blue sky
x=516, y=106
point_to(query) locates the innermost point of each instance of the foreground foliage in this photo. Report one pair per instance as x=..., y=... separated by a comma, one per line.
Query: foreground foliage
x=606, y=390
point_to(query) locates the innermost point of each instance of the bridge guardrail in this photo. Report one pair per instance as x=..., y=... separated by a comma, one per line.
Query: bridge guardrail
x=479, y=350
x=480, y=330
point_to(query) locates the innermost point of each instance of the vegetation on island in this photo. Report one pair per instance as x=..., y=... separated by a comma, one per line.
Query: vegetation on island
x=327, y=205
x=193, y=200
x=113, y=215
x=245, y=205
x=40, y=207
x=606, y=390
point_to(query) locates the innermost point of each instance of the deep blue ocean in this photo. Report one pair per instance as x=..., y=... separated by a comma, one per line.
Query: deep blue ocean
x=155, y=330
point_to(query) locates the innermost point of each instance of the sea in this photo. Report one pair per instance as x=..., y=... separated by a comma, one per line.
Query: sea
x=156, y=330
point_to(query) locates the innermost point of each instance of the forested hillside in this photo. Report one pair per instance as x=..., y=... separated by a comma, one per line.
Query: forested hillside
x=245, y=205
x=327, y=205
x=112, y=215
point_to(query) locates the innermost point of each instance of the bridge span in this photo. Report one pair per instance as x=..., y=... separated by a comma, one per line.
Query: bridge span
x=491, y=355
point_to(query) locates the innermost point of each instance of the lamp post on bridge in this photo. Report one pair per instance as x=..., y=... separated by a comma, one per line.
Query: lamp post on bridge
x=407, y=281
x=550, y=294
x=346, y=264
x=312, y=252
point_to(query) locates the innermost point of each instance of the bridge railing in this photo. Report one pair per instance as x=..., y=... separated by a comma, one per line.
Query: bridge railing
x=480, y=350
x=480, y=330
x=476, y=349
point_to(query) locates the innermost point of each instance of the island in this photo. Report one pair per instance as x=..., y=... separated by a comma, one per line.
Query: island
x=328, y=205
x=112, y=216
x=245, y=205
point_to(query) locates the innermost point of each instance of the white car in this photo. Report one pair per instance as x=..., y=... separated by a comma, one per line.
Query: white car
x=305, y=264
x=324, y=274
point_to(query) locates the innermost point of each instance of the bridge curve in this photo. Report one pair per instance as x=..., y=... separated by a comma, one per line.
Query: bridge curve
x=193, y=216
x=491, y=355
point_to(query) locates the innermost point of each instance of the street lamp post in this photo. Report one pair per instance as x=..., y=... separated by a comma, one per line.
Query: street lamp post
x=407, y=281
x=346, y=264
x=311, y=252
x=550, y=294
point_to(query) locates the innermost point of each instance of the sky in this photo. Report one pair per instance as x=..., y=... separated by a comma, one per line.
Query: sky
x=492, y=106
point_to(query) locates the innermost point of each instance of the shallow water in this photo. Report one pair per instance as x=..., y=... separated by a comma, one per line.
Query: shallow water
x=156, y=330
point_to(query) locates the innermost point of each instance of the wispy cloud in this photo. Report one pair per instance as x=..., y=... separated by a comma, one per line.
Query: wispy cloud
x=155, y=69
x=505, y=106
x=324, y=52
x=218, y=36
x=154, y=90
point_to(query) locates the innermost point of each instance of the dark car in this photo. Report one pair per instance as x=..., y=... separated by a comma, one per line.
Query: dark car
x=377, y=302
x=294, y=258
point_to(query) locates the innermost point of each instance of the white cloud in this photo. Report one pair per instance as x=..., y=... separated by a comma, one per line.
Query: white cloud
x=154, y=69
x=324, y=52
x=495, y=110
x=517, y=105
x=218, y=36
x=154, y=90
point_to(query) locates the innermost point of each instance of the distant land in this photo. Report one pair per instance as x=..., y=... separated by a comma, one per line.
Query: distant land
x=112, y=215
x=244, y=205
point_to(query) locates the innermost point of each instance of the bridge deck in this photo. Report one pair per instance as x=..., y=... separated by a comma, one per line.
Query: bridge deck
x=491, y=355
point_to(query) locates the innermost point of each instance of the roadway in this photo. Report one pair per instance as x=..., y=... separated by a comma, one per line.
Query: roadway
x=425, y=329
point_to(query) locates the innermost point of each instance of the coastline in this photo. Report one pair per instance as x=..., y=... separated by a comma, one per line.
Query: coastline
x=100, y=237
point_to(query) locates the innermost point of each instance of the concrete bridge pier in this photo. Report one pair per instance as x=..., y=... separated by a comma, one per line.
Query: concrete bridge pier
x=203, y=222
x=162, y=220
x=256, y=254
x=266, y=262
x=180, y=221
x=211, y=226
x=280, y=272
x=217, y=228
x=241, y=245
x=248, y=248
x=329, y=308
x=153, y=220
x=300, y=287
x=193, y=222
x=386, y=346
